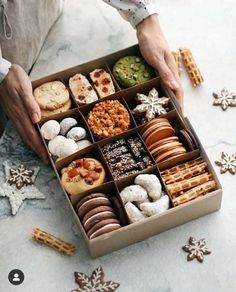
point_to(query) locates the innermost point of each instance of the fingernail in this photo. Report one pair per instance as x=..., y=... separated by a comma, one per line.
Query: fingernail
x=174, y=84
x=35, y=118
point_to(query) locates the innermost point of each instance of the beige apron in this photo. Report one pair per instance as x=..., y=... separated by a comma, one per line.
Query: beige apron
x=24, y=25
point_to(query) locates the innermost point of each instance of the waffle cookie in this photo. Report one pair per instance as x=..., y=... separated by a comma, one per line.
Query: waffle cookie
x=191, y=67
x=132, y=70
x=188, y=181
x=177, y=57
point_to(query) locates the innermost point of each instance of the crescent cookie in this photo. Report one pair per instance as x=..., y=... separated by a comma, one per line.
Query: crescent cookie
x=51, y=95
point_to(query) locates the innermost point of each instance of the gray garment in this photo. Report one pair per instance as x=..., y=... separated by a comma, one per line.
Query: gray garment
x=24, y=25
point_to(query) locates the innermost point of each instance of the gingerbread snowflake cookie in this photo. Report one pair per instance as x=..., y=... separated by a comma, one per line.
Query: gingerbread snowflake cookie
x=152, y=105
x=225, y=99
x=95, y=283
x=196, y=249
x=19, y=185
x=227, y=163
x=20, y=176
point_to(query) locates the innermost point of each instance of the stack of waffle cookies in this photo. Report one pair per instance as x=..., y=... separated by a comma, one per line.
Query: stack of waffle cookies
x=188, y=181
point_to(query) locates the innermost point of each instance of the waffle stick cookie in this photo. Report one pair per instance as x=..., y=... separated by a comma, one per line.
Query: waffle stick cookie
x=52, y=241
x=182, y=167
x=185, y=174
x=195, y=192
x=177, y=57
x=187, y=184
x=191, y=66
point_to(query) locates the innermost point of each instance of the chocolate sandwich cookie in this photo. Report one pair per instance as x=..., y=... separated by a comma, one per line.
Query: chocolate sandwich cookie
x=97, y=215
x=188, y=139
x=90, y=202
x=132, y=70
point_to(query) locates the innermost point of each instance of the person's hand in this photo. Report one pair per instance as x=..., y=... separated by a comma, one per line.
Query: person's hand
x=20, y=106
x=156, y=52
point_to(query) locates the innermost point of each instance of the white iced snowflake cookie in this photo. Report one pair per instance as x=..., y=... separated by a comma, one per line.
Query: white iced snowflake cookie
x=133, y=213
x=50, y=129
x=66, y=124
x=133, y=193
x=151, y=184
x=83, y=144
x=61, y=146
x=153, y=208
x=76, y=134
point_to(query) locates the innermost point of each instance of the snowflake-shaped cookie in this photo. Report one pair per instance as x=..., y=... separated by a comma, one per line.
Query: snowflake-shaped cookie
x=20, y=176
x=227, y=163
x=152, y=104
x=19, y=185
x=95, y=283
x=225, y=99
x=196, y=249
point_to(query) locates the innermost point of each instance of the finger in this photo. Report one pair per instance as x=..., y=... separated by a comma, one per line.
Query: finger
x=31, y=105
x=166, y=74
x=170, y=61
x=30, y=136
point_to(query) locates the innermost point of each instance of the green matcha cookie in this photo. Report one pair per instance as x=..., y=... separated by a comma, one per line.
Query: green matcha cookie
x=132, y=70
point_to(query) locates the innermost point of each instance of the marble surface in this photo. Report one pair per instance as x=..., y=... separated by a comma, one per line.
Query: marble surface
x=87, y=30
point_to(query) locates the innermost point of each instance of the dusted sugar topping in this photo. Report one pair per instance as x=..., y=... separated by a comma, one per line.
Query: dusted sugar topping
x=108, y=118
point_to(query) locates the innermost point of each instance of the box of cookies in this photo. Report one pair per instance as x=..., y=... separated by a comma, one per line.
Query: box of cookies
x=128, y=161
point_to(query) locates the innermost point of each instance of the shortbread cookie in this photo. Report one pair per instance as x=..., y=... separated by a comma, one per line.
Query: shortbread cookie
x=51, y=95
x=64, y=108
x=82, y=90
x=132, y=70
x=81, y=175
x=108, y=118
x=102, y=82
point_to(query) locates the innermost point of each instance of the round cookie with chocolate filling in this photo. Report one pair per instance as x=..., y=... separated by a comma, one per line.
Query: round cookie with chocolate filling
x=132, y=70
x=82, y=175
x=108, y=118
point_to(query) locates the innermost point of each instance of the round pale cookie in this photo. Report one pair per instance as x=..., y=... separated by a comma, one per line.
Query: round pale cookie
x=66, y=124
x=153, y=122
x=105, y=229
x=82, y=175
x=50, y=129
x=101, y=224
x=90, y=202
x=51, y=95
x=132, y=70
x=62, y=147
x=83, y=144
x=64, y=108
x=164, y=147
x=161, y=142
x=76, y=134
x=154, y=125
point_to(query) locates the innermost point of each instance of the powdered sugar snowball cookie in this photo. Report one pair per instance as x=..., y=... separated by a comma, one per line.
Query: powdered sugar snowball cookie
x=83, y=144
x=157, y=207
x=151, y=184
x=133, y=213
x=50, y=129
x=76, y=134
x=66, y=148
x=133, y=193
x=61, y=146
x=66, y=124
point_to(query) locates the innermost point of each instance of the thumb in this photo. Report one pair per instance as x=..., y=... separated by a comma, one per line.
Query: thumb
x=31, y=106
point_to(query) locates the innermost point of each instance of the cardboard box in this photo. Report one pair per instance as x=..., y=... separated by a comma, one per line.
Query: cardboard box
x=141, y=230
